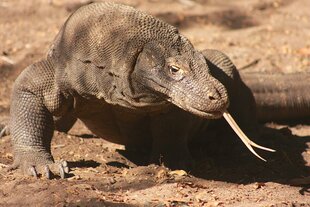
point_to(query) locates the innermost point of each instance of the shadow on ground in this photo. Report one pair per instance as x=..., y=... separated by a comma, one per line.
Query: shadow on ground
x=225, y=158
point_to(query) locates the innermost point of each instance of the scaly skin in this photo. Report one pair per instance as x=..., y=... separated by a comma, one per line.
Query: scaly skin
x=280, y=96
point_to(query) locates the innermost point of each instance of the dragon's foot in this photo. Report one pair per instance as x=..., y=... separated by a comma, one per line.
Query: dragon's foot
x=39, y=164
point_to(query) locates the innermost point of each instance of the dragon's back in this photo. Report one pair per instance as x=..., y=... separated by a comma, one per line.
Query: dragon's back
x=97, y=47
x=107, y=33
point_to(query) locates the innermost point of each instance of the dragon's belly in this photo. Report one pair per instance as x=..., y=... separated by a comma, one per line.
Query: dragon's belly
x=114, y=123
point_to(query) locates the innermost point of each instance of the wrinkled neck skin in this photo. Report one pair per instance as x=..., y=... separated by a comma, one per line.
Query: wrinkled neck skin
x=144, y=99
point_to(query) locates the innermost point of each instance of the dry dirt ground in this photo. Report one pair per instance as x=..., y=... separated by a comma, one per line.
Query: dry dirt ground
x=258, y=35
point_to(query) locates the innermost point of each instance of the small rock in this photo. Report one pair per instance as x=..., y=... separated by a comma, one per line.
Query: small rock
x=75, y=177
x=178, y=173
x=259, y=185
x=161, y=173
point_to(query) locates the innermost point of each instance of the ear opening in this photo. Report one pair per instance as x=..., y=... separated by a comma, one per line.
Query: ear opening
x=152, y=54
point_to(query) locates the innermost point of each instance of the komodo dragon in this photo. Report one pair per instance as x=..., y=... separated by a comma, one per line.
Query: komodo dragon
x=131, y=79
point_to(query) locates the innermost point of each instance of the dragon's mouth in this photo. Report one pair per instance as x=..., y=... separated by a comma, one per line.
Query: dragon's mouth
x=198, y=111
x=207, y=114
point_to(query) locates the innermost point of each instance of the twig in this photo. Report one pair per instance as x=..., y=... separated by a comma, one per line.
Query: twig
x=58, y=146
x=254, y=62
x=8, y=60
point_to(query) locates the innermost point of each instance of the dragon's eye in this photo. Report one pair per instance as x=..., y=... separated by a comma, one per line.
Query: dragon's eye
x=174, y=69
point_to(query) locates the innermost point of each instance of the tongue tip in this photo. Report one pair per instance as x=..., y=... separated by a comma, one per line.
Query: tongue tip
x=243, y=137
x=271, y=150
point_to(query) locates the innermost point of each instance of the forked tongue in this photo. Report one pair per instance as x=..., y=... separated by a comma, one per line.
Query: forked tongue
x=248, y=143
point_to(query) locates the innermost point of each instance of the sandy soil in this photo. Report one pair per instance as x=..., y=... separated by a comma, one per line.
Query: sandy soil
x=268, y=35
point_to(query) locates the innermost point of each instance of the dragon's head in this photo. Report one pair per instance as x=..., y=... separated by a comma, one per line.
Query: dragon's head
x=182, y=78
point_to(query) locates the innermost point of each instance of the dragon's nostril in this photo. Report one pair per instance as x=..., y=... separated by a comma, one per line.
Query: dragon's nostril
x=211, y=97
